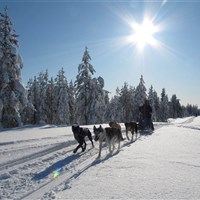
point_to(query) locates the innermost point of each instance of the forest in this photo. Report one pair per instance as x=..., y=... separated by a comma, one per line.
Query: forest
x=55, y=100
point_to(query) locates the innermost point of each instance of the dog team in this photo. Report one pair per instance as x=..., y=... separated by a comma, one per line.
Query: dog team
x=111, y=135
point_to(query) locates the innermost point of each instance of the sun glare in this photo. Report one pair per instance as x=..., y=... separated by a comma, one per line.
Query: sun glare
x=144, y=34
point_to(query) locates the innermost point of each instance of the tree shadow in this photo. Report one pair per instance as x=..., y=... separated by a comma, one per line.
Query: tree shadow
x=55, y=166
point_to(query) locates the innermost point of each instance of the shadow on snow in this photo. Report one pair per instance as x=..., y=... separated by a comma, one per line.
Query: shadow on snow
x=61, y=163
x=58, y=165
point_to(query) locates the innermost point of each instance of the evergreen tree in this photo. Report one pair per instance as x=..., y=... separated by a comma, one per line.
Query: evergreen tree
x=43, y=107
x=175, y=107
x=164, y=106
x=127, y=103
x=107, y=104
x=71, y=93
x=140, y=95
x=50, y=98
x=140, y=92
x=191, y=110
x=114, y=110
x=13, y=98
x=29, y=110
x=82, y=85
x=51, y=103
x=133, y=105
x=62, y=98
x=97, y=105
x=156, y=106
x=152, y=100
x=34, y=98
x=90, y=106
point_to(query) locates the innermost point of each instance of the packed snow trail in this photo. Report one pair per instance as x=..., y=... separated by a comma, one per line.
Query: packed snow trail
x=49, y=169
x=19, y=163
x=165, y=165
x=65, y=175
x=25, y=172
x=39, y=154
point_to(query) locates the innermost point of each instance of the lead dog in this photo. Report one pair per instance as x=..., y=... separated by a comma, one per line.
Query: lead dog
x=79, y=135
x=133, y=127
x=109, y=135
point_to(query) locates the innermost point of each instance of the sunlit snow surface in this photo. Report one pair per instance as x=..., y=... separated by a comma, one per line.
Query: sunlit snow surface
x=37, y=162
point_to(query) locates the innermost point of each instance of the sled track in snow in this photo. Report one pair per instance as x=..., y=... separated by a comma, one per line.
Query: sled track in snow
x=189, y=120
x=189, y=127
x=29, y=140
x=73, y=165
x=35, y=155
x=80, y=165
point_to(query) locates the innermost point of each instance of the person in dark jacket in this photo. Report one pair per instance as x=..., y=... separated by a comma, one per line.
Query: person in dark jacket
x=146, y=111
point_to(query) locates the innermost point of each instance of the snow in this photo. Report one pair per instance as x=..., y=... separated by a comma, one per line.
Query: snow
x=37, y=162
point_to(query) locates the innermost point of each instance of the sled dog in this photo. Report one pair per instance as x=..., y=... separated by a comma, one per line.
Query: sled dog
x=109, y=135
x=114, y=124
x=133, y=127
x=79, y=135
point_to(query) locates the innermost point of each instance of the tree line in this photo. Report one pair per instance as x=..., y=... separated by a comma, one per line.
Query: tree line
x=54, y=100
x=87, y=102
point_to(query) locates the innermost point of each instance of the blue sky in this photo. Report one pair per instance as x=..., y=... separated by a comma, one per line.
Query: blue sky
x=53, y=34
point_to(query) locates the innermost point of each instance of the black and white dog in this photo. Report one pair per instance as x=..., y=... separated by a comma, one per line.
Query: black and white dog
x=109, y=135
x=79, y=135
x=133, y=127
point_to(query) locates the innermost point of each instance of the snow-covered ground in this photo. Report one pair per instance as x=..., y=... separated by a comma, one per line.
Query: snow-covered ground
x=37, y=162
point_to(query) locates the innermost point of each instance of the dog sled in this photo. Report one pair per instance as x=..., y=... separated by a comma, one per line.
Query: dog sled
x=145, y=125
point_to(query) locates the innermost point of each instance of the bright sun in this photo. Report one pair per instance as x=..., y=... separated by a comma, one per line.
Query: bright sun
x=144, y=34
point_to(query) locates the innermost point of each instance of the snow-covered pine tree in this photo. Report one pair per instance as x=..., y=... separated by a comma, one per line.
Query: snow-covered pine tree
x=29, y=111
x=114, y=111
x=107, y=104
x=71, y=94
x=191, y=110
x=89, y=93
x=156, y=106
x=62, y=98
x=97, y=105
x=13, y=97
x=152, y=102
x=42, y=110
x=164, y=106
x=133, y=107
x=37, y=95
x=82, y=85
x=175, y=107
x=33, y=88
x=51, y=102
x=127, y=103
x=140, y=94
